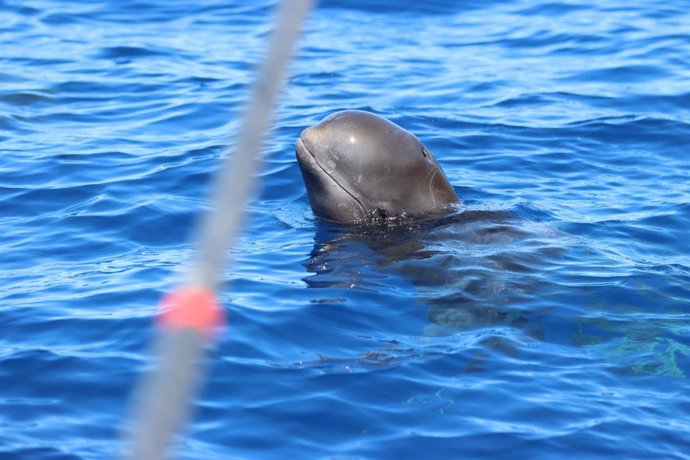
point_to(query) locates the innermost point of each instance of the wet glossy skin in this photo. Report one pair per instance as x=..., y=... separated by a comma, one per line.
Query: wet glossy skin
x=359, y=167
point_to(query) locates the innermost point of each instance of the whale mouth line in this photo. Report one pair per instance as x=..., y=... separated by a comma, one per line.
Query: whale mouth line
x=335, y=181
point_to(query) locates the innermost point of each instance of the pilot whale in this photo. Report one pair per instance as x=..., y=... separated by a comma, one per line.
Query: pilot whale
x=361, y=168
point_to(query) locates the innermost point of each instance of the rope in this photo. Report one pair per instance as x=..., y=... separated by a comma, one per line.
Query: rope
x=190, y=315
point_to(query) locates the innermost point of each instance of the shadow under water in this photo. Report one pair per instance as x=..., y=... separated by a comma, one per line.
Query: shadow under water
x=471, y=270
x=488, y=272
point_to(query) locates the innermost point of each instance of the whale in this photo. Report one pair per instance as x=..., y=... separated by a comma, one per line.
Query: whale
x=360, y=168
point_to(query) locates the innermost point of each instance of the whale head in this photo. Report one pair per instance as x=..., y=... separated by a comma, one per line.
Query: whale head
x=359, y=167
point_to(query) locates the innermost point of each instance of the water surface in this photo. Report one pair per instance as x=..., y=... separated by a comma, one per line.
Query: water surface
x=550, y=319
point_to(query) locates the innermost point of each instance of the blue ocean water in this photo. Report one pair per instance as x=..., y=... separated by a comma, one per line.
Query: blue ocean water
x=552, y=319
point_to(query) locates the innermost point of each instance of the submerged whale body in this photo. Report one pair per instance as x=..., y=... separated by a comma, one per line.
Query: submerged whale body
x=361, y=168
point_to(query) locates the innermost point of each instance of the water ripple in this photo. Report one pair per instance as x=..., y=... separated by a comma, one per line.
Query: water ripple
x=549, y=315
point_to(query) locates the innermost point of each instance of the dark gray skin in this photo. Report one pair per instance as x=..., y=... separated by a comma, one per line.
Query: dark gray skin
x=360, y=168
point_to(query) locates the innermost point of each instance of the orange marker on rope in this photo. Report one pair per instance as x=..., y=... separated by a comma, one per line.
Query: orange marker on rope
x=191, y=307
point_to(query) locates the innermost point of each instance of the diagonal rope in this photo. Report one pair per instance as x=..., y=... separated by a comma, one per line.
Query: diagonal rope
x=190, y=314
x=234, y=181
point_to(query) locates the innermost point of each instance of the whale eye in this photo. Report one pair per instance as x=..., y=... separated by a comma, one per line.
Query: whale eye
x=425, y=152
